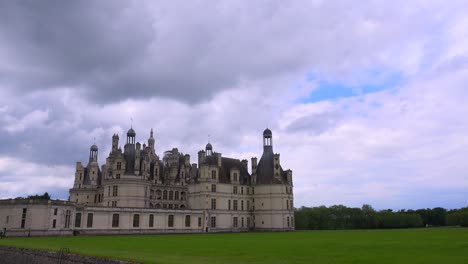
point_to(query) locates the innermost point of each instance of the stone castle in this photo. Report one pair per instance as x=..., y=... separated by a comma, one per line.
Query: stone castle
x=136, y=191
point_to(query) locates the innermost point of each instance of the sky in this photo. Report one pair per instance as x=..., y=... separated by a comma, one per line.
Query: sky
x=367, y=100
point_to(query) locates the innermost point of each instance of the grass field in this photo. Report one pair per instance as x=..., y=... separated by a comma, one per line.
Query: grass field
x=433, y=245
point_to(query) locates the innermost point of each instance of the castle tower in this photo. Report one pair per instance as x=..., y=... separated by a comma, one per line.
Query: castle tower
x=273, y=195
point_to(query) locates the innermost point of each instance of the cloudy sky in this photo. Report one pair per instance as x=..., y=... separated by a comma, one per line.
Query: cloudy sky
x=367, y=100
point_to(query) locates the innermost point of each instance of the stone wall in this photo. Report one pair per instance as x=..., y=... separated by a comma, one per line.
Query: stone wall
x=10, y=255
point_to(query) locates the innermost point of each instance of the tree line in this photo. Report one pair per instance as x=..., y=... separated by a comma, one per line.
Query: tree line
x=366, y=217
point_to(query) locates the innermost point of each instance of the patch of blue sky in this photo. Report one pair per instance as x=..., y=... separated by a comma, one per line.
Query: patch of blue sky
x=374, y=81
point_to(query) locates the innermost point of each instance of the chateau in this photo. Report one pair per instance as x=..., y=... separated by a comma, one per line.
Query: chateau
x=136, y=191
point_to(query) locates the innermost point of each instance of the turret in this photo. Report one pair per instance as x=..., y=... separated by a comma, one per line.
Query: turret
x=131, y=136
x=93, y=153
x=115, y=142
x=209, y=149
x=245, y=164
x=201, y=157
x=267, y=139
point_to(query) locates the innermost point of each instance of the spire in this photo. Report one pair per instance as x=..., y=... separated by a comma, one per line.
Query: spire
x=151, y=140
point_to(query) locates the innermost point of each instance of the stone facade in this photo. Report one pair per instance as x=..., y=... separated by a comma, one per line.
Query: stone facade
x=137, y=192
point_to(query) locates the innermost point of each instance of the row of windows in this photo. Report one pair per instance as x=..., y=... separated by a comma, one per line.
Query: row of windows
x=136, y=220
x=168, y=195
x=167, y=206
x=235, y=204
x=236, y=224
x=234, y=189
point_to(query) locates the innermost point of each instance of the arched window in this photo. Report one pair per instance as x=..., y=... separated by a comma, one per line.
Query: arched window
x=158, y=206
x=171, y=195
x=176, y=195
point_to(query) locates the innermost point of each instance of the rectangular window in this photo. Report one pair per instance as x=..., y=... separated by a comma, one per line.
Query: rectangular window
x=67, y=218
x=23, y=218
x=54, y=223
x=248, y=190
x=151, y=220
x=287, y=219
x=187, y=221
x=136, y=220
x=199, y=221
x=7, y=219
x=89, y=223
x=55, y=211
x=78, y=220
x=242, y=205
x=248, y=221
x=115, y=220
x=213, y=204
x=235, y=176
x=213, y=174
x=242, y=222
x=114, y=203
x=242, y=190
x=234, y=189
x=213, y=187
x=108, y=191
x=248, y=205
x=234, y=205
x=170, y=221
x=213, y=221
x=253, y=190
x=229, y=204
x=115, y=190
x=234, y=221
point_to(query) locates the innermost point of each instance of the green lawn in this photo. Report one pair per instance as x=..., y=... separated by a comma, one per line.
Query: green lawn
x=433, y=245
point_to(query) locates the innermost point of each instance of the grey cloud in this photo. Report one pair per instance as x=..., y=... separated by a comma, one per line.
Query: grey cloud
x=113, y=50
x=315, y=123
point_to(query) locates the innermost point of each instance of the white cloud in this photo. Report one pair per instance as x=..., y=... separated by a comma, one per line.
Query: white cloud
x=22, y=178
